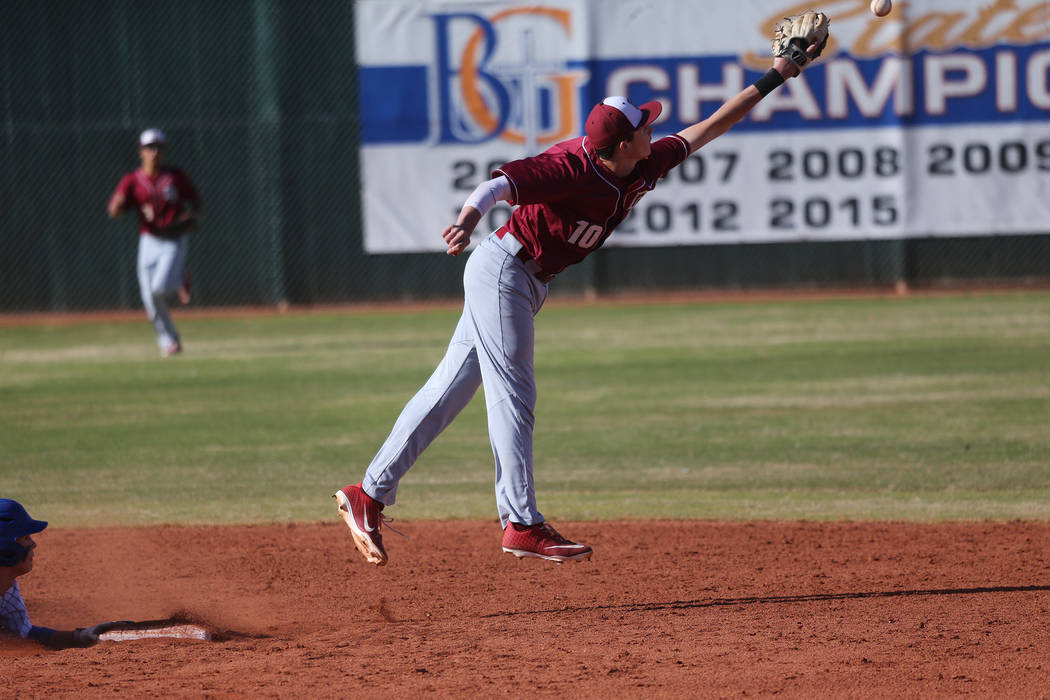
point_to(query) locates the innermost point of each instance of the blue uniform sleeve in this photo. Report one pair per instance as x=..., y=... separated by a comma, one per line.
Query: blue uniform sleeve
x=13, y=614
x=40, y=634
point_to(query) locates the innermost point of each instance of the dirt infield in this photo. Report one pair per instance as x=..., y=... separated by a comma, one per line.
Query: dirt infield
x=664, y=609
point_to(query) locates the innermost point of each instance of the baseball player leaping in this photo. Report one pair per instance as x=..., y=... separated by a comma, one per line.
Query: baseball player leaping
x=569, y=199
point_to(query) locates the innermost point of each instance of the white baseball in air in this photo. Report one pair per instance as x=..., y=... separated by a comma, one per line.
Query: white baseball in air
x=881, y=8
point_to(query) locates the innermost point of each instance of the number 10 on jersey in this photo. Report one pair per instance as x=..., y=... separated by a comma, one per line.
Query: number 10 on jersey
x=586, y=234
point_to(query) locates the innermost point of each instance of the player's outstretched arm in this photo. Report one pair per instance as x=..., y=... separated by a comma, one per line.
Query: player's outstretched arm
x=78, y=638
x=809, y=30
x=735, y=109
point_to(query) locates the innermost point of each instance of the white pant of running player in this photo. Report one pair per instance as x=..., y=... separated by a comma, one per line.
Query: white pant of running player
x=160, y=268
x=492, y=345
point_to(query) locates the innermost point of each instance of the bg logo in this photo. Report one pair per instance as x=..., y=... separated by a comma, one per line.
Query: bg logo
x=507, y=77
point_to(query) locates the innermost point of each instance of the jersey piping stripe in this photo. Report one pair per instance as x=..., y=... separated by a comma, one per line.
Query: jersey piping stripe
x=684, y=143
x=619, y=194
x=511, y=180
x=514, y=188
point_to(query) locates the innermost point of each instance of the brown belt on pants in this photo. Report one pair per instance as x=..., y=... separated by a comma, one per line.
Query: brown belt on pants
x=532, y=266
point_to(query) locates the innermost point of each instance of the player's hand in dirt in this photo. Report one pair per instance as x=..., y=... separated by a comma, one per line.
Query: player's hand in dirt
x=88, y=636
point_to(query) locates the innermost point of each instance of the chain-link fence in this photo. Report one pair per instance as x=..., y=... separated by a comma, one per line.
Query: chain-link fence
x=258, y=98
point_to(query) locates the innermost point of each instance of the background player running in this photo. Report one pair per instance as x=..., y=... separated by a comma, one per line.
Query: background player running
x=569, y=200
x=168, y=207
x=16, y=559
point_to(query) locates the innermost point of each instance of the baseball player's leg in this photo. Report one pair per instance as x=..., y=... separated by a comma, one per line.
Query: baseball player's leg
x=503, y=299
x=449, y=389
x=183, y=283
x=177, y=271
x=148, y=256
x=446, y=393
x=144, y=270
x=165, y=280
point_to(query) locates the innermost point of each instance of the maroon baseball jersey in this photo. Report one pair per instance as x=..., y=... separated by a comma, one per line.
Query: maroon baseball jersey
x=157, y=200
x=569, y=203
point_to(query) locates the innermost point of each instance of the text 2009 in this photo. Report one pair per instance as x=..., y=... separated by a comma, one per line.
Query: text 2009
x=979, y=158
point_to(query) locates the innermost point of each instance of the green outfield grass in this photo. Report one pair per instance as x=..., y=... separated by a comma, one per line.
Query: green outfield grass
x=915, y=408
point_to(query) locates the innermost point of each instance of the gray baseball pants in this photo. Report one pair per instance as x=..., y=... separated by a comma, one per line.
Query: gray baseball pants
x=492, y=345
x=160, y=267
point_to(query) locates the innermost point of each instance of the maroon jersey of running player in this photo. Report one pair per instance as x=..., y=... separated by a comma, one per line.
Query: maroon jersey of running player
x=159, y=199
x=569, y=203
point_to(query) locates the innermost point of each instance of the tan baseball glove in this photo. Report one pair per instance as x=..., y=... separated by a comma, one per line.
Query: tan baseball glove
x=793, y=35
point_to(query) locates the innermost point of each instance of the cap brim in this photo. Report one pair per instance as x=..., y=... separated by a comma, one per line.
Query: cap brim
x=35, y=526
x=650, y=113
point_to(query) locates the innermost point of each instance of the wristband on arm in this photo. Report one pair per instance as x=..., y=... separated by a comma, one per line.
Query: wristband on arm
x=769, y=82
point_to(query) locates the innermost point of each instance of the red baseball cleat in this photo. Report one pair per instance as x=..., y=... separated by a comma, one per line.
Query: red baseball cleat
x=542, y=541
x=364, y=515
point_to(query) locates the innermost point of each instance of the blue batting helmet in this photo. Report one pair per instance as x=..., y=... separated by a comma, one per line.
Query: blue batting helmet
x=14, y=523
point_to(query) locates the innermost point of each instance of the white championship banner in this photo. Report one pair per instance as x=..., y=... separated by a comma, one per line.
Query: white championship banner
x=931, y=121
